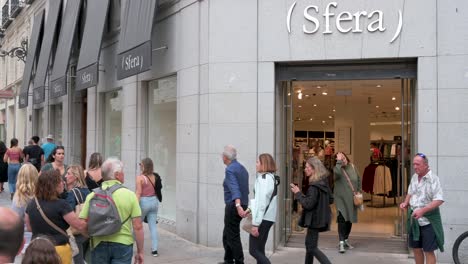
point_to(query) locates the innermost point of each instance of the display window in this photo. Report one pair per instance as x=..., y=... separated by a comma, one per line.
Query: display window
x=113, y=124
x=162, y=136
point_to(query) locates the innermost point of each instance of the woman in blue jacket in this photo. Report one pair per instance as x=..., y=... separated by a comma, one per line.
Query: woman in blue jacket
x=316, y=214
x=263, y=208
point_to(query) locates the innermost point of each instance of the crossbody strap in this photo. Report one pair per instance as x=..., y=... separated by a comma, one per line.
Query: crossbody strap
x=151, y=181
x=79, y=201
x=347, y=178
x=48, y=220
x=273, y=194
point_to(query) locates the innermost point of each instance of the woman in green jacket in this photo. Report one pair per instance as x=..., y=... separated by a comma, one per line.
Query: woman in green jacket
x=345, y=209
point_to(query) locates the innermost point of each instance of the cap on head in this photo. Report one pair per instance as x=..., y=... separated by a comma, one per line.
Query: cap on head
x=50, y=136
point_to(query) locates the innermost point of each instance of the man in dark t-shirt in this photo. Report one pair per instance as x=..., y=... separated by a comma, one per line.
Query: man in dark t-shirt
x=34, y=154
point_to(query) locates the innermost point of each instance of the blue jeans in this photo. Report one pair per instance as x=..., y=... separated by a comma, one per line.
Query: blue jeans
x=112, y=253
x=13, y=169
x=149, y=209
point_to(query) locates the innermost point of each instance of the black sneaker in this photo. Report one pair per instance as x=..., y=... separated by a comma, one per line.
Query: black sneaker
x=154, y=253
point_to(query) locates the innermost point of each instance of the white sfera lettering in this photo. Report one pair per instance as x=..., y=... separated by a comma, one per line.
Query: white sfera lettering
x=327, y=16
x=378, y=21
x=86, y=77
x=131, y=62
x=340, y=19
x=311, y=19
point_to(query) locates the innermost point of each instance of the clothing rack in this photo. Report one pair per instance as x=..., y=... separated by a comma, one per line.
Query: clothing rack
x=383, y=162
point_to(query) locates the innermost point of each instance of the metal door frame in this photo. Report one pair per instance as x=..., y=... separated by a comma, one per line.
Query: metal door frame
x=287, y=72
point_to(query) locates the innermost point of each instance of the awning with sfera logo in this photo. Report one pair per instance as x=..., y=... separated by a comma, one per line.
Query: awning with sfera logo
x=58, y=83
x=34, y=41
x=50, y=30
x=88, y=61
x=134, y=49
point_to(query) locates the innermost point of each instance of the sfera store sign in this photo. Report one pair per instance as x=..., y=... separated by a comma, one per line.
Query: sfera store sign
x=355, y=22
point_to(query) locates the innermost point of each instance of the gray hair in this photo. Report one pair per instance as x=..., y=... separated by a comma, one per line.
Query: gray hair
x=110, y=167
x=230, y=152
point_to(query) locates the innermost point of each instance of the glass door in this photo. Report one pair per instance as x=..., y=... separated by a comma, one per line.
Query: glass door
x=408, y=144
x=289, y=164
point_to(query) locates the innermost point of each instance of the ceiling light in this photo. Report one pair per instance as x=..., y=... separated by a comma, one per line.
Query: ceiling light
x=307, y=95
x=311, y=119
x=299, y=118
x=330, y=117
x=299, y=95
x=315, y=105
x=377, y=106
x=378, y=86
x=299, y=106
x=318, y=87
x=393, y=98
x=334, y=110
x=323, y=121
x=289, y=94
x=397, y=108
x=324, y=93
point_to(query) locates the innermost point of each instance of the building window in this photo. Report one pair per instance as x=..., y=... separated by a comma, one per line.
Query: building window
x=113, y=124
x=162, y=135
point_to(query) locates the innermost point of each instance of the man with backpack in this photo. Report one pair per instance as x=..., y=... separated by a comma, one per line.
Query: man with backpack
x=111, y=211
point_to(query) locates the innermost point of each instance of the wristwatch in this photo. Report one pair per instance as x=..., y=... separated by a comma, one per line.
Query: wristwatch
x=238, y=204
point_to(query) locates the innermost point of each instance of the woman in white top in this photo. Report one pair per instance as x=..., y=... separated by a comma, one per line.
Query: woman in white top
x=263, y=208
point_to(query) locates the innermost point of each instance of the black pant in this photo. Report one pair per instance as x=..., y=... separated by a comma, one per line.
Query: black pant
x=344, y=227
x=312, y=249
x=257, y=244
x=231, y=235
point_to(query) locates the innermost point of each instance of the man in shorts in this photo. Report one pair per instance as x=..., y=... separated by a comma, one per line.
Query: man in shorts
x=424, y=222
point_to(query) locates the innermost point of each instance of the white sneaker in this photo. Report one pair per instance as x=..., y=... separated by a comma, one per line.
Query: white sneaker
x=347, y=244
x=342, y=247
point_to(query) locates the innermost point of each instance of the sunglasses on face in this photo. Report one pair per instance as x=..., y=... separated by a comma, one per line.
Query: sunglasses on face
x=421, y=155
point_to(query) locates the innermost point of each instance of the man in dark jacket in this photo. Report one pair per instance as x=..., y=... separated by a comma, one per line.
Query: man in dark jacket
x=236, y=198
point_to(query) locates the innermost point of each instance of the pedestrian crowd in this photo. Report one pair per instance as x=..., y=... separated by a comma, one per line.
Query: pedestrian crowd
x=65, y=214
x=52, y=218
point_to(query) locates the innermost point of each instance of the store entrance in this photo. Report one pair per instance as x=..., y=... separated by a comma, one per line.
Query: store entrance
x=371, y=121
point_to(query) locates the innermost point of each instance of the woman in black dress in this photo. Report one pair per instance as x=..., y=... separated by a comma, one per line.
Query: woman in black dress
x=3, y=166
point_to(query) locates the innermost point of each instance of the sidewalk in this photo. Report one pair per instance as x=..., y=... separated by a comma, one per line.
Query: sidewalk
x=175, y=250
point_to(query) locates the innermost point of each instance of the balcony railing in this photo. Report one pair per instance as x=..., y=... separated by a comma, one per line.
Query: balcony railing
x=6, y=21
x=16, y=7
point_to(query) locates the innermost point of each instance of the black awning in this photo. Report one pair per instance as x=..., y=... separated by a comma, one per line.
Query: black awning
x=88, y=61
x=34, y=45
x=58, y=83
x=134, y=50
x=43, y=64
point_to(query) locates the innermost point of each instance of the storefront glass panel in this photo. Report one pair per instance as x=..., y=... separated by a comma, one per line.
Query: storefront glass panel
x=162, y=134
x=113, y=124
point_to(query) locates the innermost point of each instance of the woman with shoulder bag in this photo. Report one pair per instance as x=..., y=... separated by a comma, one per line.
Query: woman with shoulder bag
x=49, y=215
x=264, y=207
x=148, y=192
x=77, y=192
x=316, y=214
x=345, y=174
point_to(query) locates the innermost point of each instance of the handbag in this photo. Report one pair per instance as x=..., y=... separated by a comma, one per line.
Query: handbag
x=247, y=224
x=69, y=234
x=358, y=199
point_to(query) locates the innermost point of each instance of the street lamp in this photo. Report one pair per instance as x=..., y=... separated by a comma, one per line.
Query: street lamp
x=19, y=52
